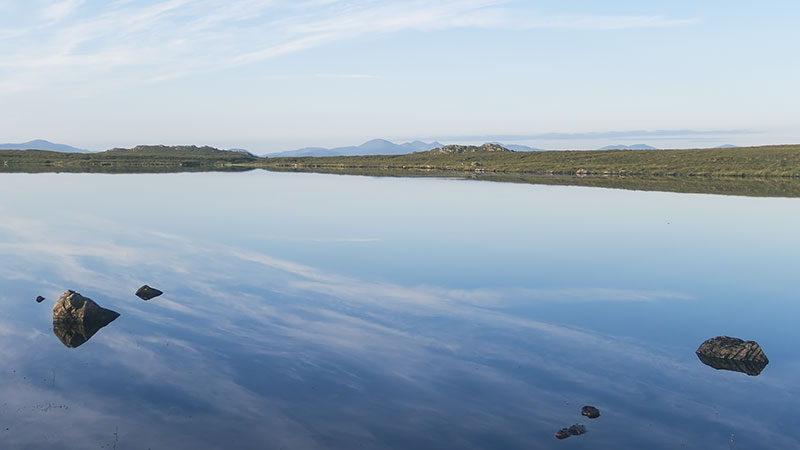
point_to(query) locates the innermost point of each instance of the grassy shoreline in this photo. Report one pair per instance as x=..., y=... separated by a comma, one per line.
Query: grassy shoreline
x=768, y=161
x=771, y=171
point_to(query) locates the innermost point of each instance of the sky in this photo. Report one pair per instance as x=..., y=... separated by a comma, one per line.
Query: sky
x=273, y=75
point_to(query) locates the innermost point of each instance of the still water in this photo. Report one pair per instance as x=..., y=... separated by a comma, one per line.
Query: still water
x=306, y=311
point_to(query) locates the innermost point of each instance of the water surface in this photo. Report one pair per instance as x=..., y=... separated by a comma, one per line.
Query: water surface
x=323, y=311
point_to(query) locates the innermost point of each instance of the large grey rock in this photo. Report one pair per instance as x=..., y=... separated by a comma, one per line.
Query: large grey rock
x=728, y=353
x=77, y=318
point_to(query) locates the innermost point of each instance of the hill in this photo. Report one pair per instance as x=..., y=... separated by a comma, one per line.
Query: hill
x=382, y=147
x=175, y=151
x=40, y=144
x=140, y=159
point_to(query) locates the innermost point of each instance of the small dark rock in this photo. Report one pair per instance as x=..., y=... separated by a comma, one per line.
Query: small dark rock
x=146, y=292
x=562, y=433
x=39, y=299
x=590, y=412
x=576, y=429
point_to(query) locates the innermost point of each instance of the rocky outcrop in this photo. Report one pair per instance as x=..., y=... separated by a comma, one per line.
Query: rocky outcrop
x=448, y=149
x=77, y=318
x=590, y=412
x=146, y=292
x=727, y=353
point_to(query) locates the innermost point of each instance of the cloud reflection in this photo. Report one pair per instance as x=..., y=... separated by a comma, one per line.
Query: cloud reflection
x=245, y=344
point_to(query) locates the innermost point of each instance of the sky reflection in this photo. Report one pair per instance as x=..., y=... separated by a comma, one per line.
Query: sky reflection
x=250, y=348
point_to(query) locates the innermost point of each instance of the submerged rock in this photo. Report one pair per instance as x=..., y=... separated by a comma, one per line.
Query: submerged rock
x=727, y=353
x=146, y=292
x=576, y=429
x=39, y=299
x=77, y=318
x=590, y=412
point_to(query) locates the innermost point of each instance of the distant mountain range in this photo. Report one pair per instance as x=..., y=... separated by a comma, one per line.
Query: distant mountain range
x=381, y=147
x=628, y=147
x=40, y=144
x=373, y=147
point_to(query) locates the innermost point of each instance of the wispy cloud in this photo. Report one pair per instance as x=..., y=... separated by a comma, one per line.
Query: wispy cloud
x=60, y=10
x=353, y=336
x=168, y=39
x=345, y=75
x=586, y=22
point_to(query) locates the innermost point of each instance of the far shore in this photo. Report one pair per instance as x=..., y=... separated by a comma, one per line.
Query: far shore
x=770, y=171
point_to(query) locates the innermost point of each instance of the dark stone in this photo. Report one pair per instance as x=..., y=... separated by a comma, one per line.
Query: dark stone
x=576, y=429
x=146, y=292
x=39, y=299
x=727, y=353
x=590, y=412
x=77, y=318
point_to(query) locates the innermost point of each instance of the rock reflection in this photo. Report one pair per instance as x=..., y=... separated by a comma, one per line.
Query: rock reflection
x=146, y=292
x=77, y=318
x=752, y=368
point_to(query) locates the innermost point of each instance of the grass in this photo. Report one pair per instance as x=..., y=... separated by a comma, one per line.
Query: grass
x=141, y=159
x=772, y=161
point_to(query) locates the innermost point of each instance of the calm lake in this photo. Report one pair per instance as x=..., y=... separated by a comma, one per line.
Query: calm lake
x=307, y=311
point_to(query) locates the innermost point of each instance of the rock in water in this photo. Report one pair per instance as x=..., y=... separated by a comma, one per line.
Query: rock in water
x=146, y=292
x=39, y=299
x=77, y=318
x=590, y=412
x=727, y=353
x=576, y=430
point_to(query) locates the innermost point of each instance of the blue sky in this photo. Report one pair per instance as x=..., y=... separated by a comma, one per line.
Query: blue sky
x=272, y=75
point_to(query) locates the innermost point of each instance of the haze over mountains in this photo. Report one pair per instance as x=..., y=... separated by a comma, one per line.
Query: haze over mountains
x=381, y=147
x=40, y=144
x=373, y=147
